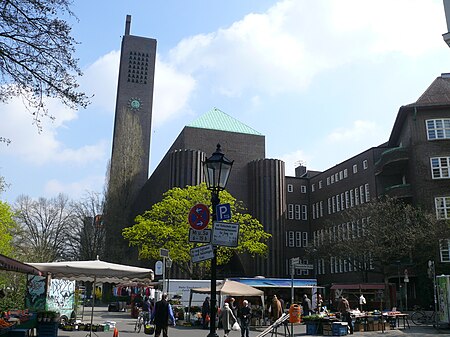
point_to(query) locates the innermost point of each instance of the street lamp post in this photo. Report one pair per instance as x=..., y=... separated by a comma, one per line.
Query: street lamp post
x=217, y=170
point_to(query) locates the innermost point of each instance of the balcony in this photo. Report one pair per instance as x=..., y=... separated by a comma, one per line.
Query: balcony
x=392, y=161
x=401, y=191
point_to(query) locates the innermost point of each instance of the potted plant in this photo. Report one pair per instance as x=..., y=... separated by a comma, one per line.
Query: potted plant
x=313, y=324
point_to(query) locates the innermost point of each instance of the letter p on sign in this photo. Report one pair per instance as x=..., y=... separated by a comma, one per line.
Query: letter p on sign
x=223, y=212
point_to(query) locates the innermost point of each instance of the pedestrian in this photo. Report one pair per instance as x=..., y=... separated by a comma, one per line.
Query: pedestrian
x=320, y=306
x=227, y=318
x=362, y=301
x=233, y=306
x=344, y=309
x=161, y=315
x=205, y=312
x=276, y=309
x=245, y=315
x=306, y=305
x=146, y=309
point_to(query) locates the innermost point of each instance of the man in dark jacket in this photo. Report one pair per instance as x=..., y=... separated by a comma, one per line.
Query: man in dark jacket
x=162, y=313
x=245, y=314
x=205, y=313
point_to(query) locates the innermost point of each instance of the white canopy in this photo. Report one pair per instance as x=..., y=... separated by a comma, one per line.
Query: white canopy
x=94, y=270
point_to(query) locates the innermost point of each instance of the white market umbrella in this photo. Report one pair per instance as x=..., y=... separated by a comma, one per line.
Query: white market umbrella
x=94, y=271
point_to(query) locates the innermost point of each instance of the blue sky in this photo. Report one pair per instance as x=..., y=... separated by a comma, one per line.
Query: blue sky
x=323, y=80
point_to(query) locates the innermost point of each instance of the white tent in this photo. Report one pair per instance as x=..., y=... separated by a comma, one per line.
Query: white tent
x=95, y=271
x=230, y=288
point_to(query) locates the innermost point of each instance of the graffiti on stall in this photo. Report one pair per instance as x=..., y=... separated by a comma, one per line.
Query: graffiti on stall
x=61, y=295
x=35, y=297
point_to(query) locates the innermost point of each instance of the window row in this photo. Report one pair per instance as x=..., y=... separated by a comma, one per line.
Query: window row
x=296, y=239
x=341, y=232
x=339, y=265
x=297, y=212
x=440, y=167
x=317, y=210
x=290, y=188
x=349, y=199
x=438, y=129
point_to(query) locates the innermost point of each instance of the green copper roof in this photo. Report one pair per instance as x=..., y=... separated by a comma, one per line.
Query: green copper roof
x=216, y=119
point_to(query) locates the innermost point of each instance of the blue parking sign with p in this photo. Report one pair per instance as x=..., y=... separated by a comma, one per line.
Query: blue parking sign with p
x=223, y=212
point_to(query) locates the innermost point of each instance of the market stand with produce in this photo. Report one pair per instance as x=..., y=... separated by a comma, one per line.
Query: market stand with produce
x=17, y=322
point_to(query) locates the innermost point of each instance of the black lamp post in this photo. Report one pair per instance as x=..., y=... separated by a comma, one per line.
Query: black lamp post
x=217, y=170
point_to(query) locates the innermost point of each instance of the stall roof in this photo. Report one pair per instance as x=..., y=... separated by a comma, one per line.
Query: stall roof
x=359, y=286
x=277, y=282
x=9, y=264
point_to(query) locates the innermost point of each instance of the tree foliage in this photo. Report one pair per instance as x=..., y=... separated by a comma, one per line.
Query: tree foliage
x=166, y=226
x=36, y=55
x=44, y=227
x=7, y=228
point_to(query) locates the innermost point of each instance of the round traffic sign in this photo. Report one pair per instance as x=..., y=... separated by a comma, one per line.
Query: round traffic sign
x=199, y=216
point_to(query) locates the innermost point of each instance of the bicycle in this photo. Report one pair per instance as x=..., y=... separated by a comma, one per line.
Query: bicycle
x=420, y=317
x=141, y=320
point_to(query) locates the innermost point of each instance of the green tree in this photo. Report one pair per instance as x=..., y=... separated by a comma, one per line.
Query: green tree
x=166, y=226
x=36, y=55
x=7, y=227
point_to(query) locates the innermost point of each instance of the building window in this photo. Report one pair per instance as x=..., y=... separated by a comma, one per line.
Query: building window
x=320, y=184
x=347, y=200
x=442, y=207
x=328, y=181
x=357, y=196
x=333, y=202
x=321, y=208
x=352, y=199
x=290, y=211
x=303, y=189
x=342, y=201
x=291, y=239
x=355, y=168
x=361, y=194
x=440, y=167
x=305, y=271
x=332, y=259
x=338, y=203
x=444, y=250
x=298, y=239
x=341, y=175
x=313, y=188
x=365, y=164
x=367, y=192
x=438, y=129
x=332, y=178
x=297, y=212
x=290, y=188
x=345, y=173
x=305, y=212
x=313, y=211
x=305, y=239
x=329, y=205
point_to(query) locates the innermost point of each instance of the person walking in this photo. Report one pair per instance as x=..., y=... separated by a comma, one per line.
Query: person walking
x=233, y=306
x=227, y=318
x=245, y=315
x=344, y=309
x=205, y=312
x=306, y=305
x=161, y=315
x=276, y=309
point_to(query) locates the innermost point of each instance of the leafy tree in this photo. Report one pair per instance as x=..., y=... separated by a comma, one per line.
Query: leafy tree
x=375, y=236
x=166, y=226
x=36, y=55
x=7, y=227
x=44, y=226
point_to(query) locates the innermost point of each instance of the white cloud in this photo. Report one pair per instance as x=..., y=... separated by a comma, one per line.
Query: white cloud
x=294, y=159
x=358, y=131
x=283, y=49
x=75, y=190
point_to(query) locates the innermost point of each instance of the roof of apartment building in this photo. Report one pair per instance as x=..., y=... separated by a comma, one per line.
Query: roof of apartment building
x=437, y=93
x=216, y=119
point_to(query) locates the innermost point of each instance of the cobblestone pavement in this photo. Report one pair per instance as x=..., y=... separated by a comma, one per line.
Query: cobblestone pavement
x=125, y=325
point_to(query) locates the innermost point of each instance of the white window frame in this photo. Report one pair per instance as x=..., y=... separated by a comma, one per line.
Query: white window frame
x=313, y=188
x=367, y=192
x=313, y=211
x=355, y=168
x=291, y=239
x=444, y=250
x=321, y=208
x=297, y=212
x=305, y=212
x=290, y=188
x=442, y=205
x=328, y=181
x=305, y=239
x=365, y=164
x=440, y=167
x=303, y=189
x=320, y=184
x=438, y=129
x=291, y=211
x=345, y=173
x=361, y=194
x=298, y=239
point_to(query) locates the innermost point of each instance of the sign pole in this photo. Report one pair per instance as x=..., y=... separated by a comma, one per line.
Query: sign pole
x=164, y=275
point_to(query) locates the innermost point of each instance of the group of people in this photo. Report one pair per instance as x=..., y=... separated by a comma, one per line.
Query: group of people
x=229, y=315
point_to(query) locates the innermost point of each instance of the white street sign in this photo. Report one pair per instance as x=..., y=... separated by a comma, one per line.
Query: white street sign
x=202, y=253
x=158, y=268
x=201, y=236
x=225, y=234
x=295, y=260
x=304, y=266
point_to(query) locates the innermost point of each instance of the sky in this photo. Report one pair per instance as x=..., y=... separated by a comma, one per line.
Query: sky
x=322, y=80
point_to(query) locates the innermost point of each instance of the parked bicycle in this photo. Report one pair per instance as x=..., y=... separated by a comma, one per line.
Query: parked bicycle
x=420, y=317
x=142, y=319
